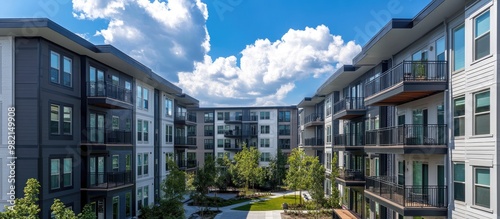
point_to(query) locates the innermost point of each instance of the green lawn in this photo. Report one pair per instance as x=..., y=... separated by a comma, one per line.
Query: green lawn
x=268, y=205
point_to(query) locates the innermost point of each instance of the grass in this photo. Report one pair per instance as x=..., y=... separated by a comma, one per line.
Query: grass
x=268, y=205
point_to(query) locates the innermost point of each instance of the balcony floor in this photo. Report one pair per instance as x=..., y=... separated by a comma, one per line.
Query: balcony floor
x=407, y=149
x=404, y=92
x=421, y=210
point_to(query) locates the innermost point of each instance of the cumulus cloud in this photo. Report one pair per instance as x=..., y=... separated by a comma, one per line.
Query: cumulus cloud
x=268, y=70
x=165, y=36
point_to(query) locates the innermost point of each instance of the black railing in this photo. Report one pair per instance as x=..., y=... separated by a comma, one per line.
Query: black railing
x=349, y=139
x=108, y=136
x=232, y=133
x=352, y=175
x=314, y=117
x=187, y=117
x=251, y=132
x=191, y=133
x=349, y=103
x=314, y=142
x=407, y=195
x=230, y=146
x=408, y=135
x=253, y=118
x=431, y=71
x=184, y=141
x=108, y=89
x=187, y=163
x=236, y=118
x=109, y=180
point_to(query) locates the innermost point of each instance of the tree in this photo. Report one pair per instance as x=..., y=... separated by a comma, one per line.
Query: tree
x=203, y=180
x=26, y=207
x=334, y=199
x=296, y=176
x=174, y=185
x=60, y=211
x=246, y=166
x=277, y=171
x=316, y=179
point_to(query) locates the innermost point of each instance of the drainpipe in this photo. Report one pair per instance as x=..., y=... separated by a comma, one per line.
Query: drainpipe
x=447, y=107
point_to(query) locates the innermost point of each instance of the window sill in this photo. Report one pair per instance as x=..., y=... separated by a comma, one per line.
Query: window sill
x=461, y=203
x=460, y=138
x=481, y=59
x=458, y=71
x=481, y=136
x=481, y=208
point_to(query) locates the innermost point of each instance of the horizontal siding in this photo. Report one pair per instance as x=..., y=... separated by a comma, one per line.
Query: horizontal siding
x=458, y=83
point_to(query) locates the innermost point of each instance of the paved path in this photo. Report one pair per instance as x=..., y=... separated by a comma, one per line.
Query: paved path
x=228, y=213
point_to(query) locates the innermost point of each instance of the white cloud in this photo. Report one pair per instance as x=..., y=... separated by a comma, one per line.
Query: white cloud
x=165, y=36
x=268, y=70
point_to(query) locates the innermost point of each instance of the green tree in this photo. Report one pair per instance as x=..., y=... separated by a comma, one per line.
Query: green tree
x=26, y=207
x=316, y=179
x=174, y=185
x=276, y=172
x=223, y=173
x=296, y=179
x=246, y=166
x=203, y=180
x=334, y=199
x=60, y=211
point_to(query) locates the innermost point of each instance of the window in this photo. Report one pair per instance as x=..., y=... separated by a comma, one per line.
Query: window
x=146, y=164
x=440, y=49
x=482, y=113
x=328, y=161
x=128, y=163
x=284, y=129
x=265, y=115
x=459, y=181
x=459, y=48
x=220, y=155
x=329, y=134
x=142, y=98
x=209, y=144
x=168, y=134
x=54, y=119
x=482, y=35
x=227, y=143
x=209, y=117
x=55, y=69
x=142, y=130
x=220, y=143
x=116, y=207
x=459, y=116
x=168, y=156
x=264, y=142
x=401, y=172
x=139, y=164
x=220, y=129
x=139, y=130
x=265, y=157
x=284, y=143
x=115, y=123
x=128, y=204
x=220, y=116
x=284, y=116
x=145, y=195
x=168, y=107
x=328, y=106
x=139, y=198
x=115, y=164
x=482, y=187
x=209, y=130
x=57, y=180
x=264, y=129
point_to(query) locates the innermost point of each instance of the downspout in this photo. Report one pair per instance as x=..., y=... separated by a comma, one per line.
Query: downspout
x=447, y=97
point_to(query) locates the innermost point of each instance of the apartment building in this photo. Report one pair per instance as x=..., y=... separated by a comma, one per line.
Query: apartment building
x=225, y=129
x=411, y=117
x=93, y=125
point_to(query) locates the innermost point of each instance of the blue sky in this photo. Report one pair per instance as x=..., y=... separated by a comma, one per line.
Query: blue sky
x=229, y=52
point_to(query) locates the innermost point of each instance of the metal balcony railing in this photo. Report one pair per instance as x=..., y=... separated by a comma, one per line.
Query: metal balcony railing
x=408, y=135
x=407, y=195
x=313, y=118
x=186, y=117
x=109, y=180
x=349, y=103
x=232, y=133
x=349, y=139
x=108, y=136
x=187, y=163
x=184, y=141
x=430, y=71
x=108, y=89
x=314, y=142
x=352, y=175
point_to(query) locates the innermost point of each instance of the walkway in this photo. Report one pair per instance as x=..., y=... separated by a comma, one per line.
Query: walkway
x=228, y=213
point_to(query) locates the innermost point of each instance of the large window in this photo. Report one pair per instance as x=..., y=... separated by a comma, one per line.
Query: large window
x=209, y=117
x=56, y=127
x=328, y=106
x=142, y=98
x=284, y=143
x=54, y=119
x=139, y=164
x=220, y=116
x=220, y=143
x=145, y=196
x=61, y=176
x=139, y=198
x=284, y=129
x=142, y=130
x=459, y=181
x=264, y=129
x=459, y=116
x=209, y=130
x=265, y=157
x=168, y=133
x=329, y=134
x=440, y=49
x=209, y=144
x=459, y=48
x=55, y=69
x=482, y=35
x=265, y=115
x=145, y=166
x=482, y=187
x=482, y=113
x=284, y=116
x=168, y=107
x=115, y=163
x=264, y=142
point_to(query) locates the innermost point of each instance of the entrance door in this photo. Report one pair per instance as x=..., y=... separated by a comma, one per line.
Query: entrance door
x=420, y=181
x=96, y=82
x=96, y=170
x=419, y=127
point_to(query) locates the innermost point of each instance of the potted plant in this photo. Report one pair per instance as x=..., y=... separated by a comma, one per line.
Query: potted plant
x=420, y=70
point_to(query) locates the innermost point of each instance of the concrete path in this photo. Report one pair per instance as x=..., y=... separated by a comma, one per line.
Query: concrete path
x=228, y=213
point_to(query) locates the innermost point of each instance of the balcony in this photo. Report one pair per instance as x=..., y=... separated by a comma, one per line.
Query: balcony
x=408, y=139
x=407, y=200
x=235, y=133
x=107, y=95
x=348, y=142
x=314, y=142
x=187, y=164
x=253, y=119
x=231, y=147
x=108, y=136
x=314, y=119
x=107, y=181
x=233, y=120
x=407, y=81
x=350, y=177
x=185, y=142
x=349, y=108
x=185, y=118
